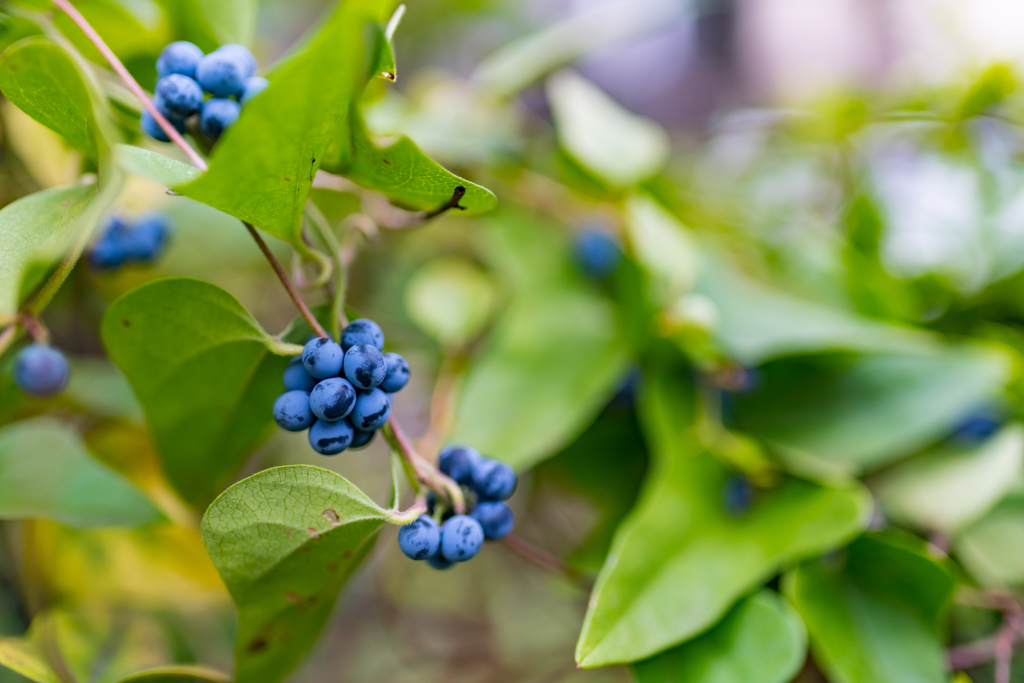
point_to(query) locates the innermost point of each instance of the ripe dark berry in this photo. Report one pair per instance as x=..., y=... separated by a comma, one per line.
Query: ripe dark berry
x=180, y=57
x=151, y=128
x=296, y=377
x=242, y=54
x=737, y=495
x=41, y=370
x=330, y=438
x=496, y=519
x=978, y=425
x=397, y=373
x=439, y=562
x=254, y=85
x=362, y=331
x=597, y=253
x=364, y=366
x=458, y=462
x=372, y=410
x=222, y=73
x=332, y=399
x=218, y=115
x=420, y=539
x=493, y=480
x=181, y=95
x=291, y=411
x=146, y=239
x=361, y=438
x=461, y=538
x=322, y=358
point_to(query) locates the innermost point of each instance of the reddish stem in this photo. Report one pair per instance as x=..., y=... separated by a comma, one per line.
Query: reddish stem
x=543, y=559
x=287, y=282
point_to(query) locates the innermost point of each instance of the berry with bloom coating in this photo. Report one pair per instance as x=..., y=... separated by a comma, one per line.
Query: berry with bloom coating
x=322, y=358
x=180, y=57
x=296, y=377
x=179, y=95
x=151, y=128
x=254, y=85
x=439, y=562
x=362, y=331
x=291, y=411
x=330, y=438
x=332, y=399
x=496, y=519
x=597, y=254
x=420, y=539
x=364, y=366
x=218, y=115
x=222, y=73
x=361, y=438
x=41, y=370
x=493, y=480
x=372, y=410
x=459, y=462
x=242, y=54
x=461, y=538
x=397, y=373
x=146, y=239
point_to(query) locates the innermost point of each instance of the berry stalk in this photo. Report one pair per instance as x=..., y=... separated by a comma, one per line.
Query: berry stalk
x=425, y=471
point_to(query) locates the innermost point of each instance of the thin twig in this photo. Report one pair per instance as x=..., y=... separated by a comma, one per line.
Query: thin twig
x=452, y=203
x=286, y=281
x=424, y=470
x=442, y=403
x=7, y=337
x=1004, y=652
x=544, y=560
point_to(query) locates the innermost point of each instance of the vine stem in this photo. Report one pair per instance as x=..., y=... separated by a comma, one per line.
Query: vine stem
x=424, y=470
x=543, y=559
x=287, y=282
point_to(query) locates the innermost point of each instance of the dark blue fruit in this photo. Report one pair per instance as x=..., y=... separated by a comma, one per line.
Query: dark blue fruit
x=151, y=128
x=218, y=115
x=322, y=358
x=978, y=425
x=496, y=519
x=296, y=377
x=146, y=240
x=330, y=438
x=493, y=480
x=254, y=85
x=737, y=495
x=461, y=538
x=291, y=411
x=372, y=410
x=222, y=73
x=364, y=366
x=362, y=331
x=438, y=562
x=458, y=462
x=41, y=370
x=242, y=54
x=180, y=57
x=180, y=95
x=361, y=438
x=397, y=374
x=597, y=253
x=420, y=539
x=332, y=399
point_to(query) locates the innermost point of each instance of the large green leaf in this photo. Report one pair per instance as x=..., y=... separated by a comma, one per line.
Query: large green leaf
x=204, y=372
x=873, y=612
x=761, y=640
x=46, y=472
x=26, y=658
x=155, y=166
x=992, y=549
x=828, y=422
x=178, y=674
x=679, y=561
x=285, y=541
x=262, y=168
x=41, y=79
x=450, y=299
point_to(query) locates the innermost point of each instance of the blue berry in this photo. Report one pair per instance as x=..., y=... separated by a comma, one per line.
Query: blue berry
x=332, y=399
x=218, y=115
x=396, y=375
x=978, y=425
x=242, y=54
x=107, y=253
x=361, y=438
x=597, y=254
x=737, y=495
x=420, y=539
x=439, y=562
x=151, y=128
x=291, y=411
x=254, y=85
x=41, y=370
x=458, y=462
x=180, y=57
x=365, y=366
x=362, y=331
x=496, y=519
x=322, y=358
x=330, y=438
x=222, y=73
x=180, y=95
x=493, y=480
x=296, y=377
x=146, y=240
x=372, y=410
x=461, y=538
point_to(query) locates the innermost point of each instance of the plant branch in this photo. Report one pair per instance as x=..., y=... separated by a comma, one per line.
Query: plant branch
x=424, y=470
x=544, y=560
x=323, y=226
x=408, y=516
x=442, y=403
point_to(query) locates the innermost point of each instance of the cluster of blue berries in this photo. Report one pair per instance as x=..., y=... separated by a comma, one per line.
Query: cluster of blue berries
x=228, y=74
x=486, y=484
x=41, y=370
x=123, y=242
x=596, y=252
x=341, y=393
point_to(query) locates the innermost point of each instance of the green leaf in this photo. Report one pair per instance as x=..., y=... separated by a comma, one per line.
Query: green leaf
x=13, y=29
x=285, y=541
x=228, y=21
x=155, y=166
x=992, y=549
x=948, y=488
x=663, y=246
x=46, y=472
x=42, y=80
x=761, y=640
x=680, y=561
x=204, y=372
x=838, y=423
x=178, y=674
x=24, y=657
x=262, y=168
x=37, y=229
x=873, y=613
x=619, y=146
x=384, y=51
x=450, y=299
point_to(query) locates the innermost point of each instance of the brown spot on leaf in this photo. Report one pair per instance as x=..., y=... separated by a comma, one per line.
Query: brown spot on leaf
x=313, y=533
x=386, y=162
x=291, y=596
x=257, y=644
x=126, y=322
x=347, y=554
x=332, y=567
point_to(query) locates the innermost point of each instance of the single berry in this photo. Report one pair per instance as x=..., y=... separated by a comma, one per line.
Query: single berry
x=222, y=73
x=254, y=85
x=296, y=377
x=242, y=54
x=151, y=128
x=322, y=358
x=332, y=399
x=107, y=253
x=597, y=253
x=218, y=115
x=496, y=519
x=180, y=95
x=458, y=462
x=361, y=437
x=737, y=495
x=291, y=411
x=438, y=562
x=146, y=240
x=362, y=331
x=396, y=375
x=978, y=425
x=494, y=480
x=420, y=539
x=365, y=366
x=330, y=438
x=180, y=57
x=461, y=538
x=41, y=370
x=372, y=410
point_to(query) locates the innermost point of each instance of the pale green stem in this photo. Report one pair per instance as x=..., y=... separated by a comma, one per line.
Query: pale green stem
x=323, y=227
